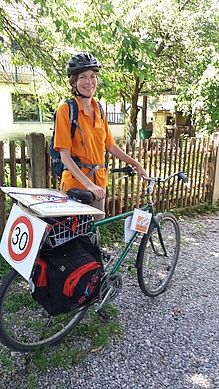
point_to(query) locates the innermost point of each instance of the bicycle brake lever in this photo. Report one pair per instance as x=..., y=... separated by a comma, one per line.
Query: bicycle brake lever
x=131, y=174
x=125, y=176
x=182, y=176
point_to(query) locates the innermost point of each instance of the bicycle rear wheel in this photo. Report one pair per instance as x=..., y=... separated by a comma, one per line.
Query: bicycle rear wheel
x=155, y=267
x=24, y=324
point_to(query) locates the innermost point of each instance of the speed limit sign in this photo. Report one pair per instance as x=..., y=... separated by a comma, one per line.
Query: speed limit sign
x=21, y=239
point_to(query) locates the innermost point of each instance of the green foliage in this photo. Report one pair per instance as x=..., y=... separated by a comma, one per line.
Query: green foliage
x=148, y=46
x=200, y=99
x=24, y=108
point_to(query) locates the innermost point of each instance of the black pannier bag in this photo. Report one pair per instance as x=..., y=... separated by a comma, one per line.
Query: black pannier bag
x=68, y=276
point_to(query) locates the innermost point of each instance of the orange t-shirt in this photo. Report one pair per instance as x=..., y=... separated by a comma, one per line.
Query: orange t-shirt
x=89, y=147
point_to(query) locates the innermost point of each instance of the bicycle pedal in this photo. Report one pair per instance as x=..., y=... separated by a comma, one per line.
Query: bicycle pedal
x=105, y=256
x=103, y=316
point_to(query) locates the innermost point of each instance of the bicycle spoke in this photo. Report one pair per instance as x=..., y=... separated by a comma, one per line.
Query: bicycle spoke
x=24, y=324
x=158, y=259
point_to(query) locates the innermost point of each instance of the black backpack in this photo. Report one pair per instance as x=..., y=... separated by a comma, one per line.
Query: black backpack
x=68, y=276
x=57, y=165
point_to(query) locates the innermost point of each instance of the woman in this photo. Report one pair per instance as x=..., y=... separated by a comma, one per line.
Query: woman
x=92, y=136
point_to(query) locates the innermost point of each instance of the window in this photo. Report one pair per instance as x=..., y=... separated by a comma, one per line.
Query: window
x=25, y=108
x=170, y=121
x=113, y=115
x=165, y=98
x=47, y=113
x=14, y=46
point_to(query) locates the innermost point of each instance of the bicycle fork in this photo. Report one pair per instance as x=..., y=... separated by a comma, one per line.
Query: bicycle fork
x=160, y=239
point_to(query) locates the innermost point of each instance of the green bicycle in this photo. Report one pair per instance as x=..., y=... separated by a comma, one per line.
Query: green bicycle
x=25, y=325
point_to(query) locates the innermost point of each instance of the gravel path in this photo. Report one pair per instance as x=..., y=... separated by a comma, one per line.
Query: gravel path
x=169, y=342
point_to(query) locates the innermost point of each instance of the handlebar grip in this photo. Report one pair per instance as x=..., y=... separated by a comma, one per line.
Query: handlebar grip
x=126, y=169
x=116, y=170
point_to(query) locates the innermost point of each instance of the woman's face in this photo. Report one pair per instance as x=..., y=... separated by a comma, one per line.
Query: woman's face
x=87, y=83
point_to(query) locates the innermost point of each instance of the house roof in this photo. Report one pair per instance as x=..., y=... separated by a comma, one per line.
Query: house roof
x=19, y=13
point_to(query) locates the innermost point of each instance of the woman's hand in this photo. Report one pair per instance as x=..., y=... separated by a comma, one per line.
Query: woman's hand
x=141, y=172
x=98, y=192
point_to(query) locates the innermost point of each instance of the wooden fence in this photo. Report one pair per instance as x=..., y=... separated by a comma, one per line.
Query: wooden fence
x=28, y=164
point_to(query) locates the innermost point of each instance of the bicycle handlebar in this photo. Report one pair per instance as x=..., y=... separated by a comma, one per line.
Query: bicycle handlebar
x=131, y=171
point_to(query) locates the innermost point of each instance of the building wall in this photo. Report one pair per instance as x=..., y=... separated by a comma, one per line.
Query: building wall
x=11, y=130
x=159, y=123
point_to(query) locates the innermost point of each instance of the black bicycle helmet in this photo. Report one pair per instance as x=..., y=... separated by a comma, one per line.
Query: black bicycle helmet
x=80, y=62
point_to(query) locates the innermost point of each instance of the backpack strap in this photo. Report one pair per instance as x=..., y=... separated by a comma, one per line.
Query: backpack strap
x=93, y=168
x=73, y=115
x=101, y=111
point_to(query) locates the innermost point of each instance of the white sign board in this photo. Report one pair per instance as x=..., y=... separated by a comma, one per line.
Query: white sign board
x=49, y=202
x=128, y=232
x=21, y=240
x=141, y=221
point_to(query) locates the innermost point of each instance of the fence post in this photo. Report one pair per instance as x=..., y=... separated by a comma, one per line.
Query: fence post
x=215, y=175
x=36, y=154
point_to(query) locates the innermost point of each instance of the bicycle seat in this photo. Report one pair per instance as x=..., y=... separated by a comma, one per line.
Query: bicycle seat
x=81, y=195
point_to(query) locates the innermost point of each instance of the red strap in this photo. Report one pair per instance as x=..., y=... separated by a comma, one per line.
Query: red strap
x=72, y=280
x=74, y=224
x=42, y=279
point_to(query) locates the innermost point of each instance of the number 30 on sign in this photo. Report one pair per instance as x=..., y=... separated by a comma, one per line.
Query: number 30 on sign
x=21, y=239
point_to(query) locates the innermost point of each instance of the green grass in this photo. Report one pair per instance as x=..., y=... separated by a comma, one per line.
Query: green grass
x=89, y=337
x=196, y=210
x=131, y=266
x=4, y=267
x=97, y=333
x=111, y=233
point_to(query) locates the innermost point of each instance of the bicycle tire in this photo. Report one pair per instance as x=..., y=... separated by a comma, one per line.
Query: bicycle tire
x=155, y=269
x=24, y=324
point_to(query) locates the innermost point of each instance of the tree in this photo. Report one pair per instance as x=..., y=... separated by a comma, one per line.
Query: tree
x=147, y=47
x=151, y=47
x=36, y=34
x=200, y=99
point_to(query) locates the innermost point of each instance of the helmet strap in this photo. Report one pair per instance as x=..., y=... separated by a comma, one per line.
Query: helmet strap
x=77, y=93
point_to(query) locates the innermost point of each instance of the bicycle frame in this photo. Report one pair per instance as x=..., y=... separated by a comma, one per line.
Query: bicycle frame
x=100, y=223
x=147, y=207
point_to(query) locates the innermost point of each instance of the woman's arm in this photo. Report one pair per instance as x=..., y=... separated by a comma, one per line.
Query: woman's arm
x=118, y=153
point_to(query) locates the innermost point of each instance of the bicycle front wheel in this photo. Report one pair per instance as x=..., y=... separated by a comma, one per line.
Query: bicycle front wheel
x=24, y=324
x=158, y=254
